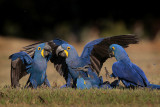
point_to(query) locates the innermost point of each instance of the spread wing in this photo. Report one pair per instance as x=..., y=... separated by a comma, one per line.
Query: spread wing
x=97, y=51
x=20, y=64
x=58, y=61
x=128, y=73
x=30, y=49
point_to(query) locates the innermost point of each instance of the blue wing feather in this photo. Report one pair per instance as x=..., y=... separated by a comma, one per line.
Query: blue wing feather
x=141, y=73
x=26, y=59
x=128, y=73
x=88, y=48
x=59, y=42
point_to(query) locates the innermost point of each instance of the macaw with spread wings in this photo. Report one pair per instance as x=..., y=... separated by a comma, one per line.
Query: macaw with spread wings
x=87, y=66
x=22, y=64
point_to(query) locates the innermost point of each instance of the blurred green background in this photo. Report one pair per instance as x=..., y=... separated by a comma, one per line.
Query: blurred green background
x=23, y=22
x=77, y=20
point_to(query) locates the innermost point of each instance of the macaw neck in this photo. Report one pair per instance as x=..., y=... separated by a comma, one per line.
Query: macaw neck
x=74, y=60
x=39, y=65
x=121, y=55
x=123, y=58
x=38, y=58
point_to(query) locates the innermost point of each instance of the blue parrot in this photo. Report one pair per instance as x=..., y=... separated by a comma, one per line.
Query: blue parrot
x=83, y=84
x=35, y=66
x=130, y=74
x=86, y=83
x=87, y=66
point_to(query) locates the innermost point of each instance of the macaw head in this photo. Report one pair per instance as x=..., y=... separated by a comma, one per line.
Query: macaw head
x=118, y=51
x=42, y=51
x=83, y=84
x=67, y=51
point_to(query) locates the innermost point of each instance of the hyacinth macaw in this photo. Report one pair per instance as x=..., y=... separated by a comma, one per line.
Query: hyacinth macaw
x=130, y=74
x=89, y=64
x=95, y=53
x=22, y=64
x=86, y=83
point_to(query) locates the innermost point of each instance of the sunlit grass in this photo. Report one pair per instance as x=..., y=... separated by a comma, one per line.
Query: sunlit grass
x=145, y=55
x=56, y=96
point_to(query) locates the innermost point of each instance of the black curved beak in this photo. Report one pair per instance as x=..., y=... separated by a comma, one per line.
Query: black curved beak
x=110, y=53
x=52, y=45
x=61, y=52
x=47, y=50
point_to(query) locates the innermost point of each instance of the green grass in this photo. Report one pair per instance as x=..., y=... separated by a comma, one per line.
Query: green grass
x=72, y=97
x=147, y=60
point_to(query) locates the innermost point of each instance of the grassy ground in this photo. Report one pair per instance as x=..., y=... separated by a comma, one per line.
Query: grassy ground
x=145, y=54
x=72, y=97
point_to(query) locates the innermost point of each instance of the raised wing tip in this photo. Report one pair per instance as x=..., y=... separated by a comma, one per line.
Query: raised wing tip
x=10, y=57
x=135, y=38
x=32, y=45
x=52, y=44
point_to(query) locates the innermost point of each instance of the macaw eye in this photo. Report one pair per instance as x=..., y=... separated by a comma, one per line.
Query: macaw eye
x=68, y=48
x=39, y=48
x=113, y=48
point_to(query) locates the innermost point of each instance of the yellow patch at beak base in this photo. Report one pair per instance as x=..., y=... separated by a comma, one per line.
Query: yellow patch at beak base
x=84, y=82
x=112, y=52
x=66, y=52
x=113, y=48
x=42, y=52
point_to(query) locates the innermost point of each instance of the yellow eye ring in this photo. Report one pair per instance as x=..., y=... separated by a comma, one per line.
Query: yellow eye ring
x=113, y=48
x=68, y=48
x=39, y=48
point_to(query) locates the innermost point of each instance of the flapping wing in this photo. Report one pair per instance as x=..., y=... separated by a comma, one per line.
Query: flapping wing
x=30, y=49
x=20, y=64
x=97, y=51
x=58, y=61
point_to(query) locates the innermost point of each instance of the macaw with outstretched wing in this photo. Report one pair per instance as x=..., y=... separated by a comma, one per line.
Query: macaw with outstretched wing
x=22, y=64
x=89, y=64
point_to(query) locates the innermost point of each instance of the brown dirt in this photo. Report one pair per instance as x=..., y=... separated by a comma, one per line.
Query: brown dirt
x=145, y=54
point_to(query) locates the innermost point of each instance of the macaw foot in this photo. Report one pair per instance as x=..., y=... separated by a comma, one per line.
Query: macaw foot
x=28, y=81
x=16, y=85
x=106, y=86
x=101, y=80
x=84, y=68
x=33, y=84
x=64, y=86
x=115, y=83
x=46, y=82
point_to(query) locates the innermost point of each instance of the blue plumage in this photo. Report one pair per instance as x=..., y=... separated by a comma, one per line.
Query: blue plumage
x=89, y=47
x=37, y=66
x=129, y=73
x=87, y=83
x=25, y=58
x=59, y=42
x=78, y=65
x=83, y=84
x=87, y=66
